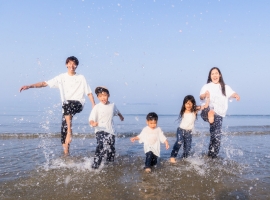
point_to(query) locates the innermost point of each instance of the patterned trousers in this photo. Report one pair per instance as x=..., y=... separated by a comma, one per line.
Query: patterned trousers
x=70, y=108
x=215, y=132
x=105, y=145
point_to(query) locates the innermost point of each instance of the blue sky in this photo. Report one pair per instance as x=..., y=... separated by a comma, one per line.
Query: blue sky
x=150, y=54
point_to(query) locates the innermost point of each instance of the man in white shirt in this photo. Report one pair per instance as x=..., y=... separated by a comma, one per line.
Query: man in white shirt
x=72, y=88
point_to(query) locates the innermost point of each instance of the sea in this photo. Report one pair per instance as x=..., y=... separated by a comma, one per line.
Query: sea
x=33, y=165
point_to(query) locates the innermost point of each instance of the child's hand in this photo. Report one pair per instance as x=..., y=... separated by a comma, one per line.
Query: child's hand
x=167, y=145
x=133, y=139
x=94, y=124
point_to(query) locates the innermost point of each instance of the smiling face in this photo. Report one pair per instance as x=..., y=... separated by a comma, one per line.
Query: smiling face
x=71, y=65
x=215, y=76
x=188, y=106
x=103, y=97
x=151, y=123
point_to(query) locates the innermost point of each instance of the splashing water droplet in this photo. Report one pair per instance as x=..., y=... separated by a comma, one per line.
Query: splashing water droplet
x=67, y=180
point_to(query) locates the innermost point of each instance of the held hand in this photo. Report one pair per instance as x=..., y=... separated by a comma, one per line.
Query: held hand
x=94, y=124
x=132, y=139
x=25, y=87
x=237, y=97
x=167, y=145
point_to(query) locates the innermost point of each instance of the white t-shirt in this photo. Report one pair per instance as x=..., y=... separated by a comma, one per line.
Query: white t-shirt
x=218, y=101
x=151, y=139
x=187, y=121
x=71, y=87
x=103, y=114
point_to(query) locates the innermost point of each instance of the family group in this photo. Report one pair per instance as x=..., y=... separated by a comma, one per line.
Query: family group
x=73, y=87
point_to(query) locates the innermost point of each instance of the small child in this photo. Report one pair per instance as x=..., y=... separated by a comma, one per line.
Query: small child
x=101, y=117
x=188, y=115
x=151, y=136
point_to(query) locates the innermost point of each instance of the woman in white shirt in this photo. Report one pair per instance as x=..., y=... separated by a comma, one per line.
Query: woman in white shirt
x=219, y=93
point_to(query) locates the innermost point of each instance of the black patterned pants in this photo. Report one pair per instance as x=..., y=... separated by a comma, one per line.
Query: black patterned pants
x=70, y=107
x=150, y=160
x=105, y=146
x=215, y=133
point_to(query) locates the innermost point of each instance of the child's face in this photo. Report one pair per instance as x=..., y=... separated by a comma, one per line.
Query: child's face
x=188, y=106
x=215, y=76
x=151, y=123
x=71, y=66
x=103, y=97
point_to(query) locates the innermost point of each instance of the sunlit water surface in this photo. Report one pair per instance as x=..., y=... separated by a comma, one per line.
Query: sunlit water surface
x=32, y=165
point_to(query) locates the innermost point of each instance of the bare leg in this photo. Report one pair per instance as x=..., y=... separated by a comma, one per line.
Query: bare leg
x=211, y=115
x=69, y=134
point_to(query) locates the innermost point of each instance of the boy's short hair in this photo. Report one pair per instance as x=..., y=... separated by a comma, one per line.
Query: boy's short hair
x=101, y=89
x=152, y=116
x=74, y=59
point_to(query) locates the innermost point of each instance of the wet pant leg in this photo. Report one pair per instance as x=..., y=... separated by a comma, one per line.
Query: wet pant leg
x=151, y=159
x=178, y=143
x=105, y=145
x=204, y=114
x=111, y=150
x=187, y=143
x=215, y=136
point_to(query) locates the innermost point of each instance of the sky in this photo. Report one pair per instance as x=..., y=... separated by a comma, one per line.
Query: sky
x=149, y=53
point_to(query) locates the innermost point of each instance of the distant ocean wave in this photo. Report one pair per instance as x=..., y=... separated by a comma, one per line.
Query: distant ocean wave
x=4, y=136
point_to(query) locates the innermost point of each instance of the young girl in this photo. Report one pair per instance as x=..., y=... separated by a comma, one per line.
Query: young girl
x=188, y=115
x=219, y=94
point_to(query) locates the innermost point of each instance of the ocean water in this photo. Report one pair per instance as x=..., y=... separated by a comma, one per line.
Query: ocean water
x=33, y=167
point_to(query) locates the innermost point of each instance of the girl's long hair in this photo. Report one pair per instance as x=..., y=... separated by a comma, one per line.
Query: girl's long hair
x=221, y=81
x=193, y=109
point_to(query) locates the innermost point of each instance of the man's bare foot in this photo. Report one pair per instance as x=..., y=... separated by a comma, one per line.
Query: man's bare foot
x=66, y=149
x=147, y=170
x=211, y=115
x=67, y=143
x=172, y=160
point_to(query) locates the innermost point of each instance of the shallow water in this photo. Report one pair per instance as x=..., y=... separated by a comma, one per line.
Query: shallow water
x=32, y=165
x=34, y=168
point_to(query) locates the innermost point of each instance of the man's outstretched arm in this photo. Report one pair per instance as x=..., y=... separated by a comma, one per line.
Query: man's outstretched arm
x=36, y=85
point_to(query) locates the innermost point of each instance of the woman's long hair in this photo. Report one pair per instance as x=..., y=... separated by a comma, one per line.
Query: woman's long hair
x=221, y=81
x=193, y=109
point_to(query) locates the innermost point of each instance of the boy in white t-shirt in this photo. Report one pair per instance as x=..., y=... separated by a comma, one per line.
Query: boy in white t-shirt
x=101, y=117
x=72, y=88
x=151, y=136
